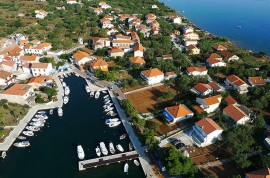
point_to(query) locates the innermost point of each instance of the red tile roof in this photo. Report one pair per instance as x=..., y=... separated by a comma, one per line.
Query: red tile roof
x=179, y=111
x=261, y=173
x=236, y=80
x=200, y=87
x=257, y=80
x=208, y=125
x=234, y=112
x=230, y=100
x=152, y=72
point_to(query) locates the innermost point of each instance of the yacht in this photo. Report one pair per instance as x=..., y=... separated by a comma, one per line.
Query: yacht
x=28, y=133
x=120, y=148
x=32, y=128
x=87, y=88
x=114, y=124
x=126, y=168
x=136, y=162
x=51, y=112
x=67, y=90
x=60, y=111
x=22, y=144
x=106, y=100
x=66, y=99
x=103, y=148
x=111, y=113
x=97, y=94
x=123, y=136
x=80, y=152
x=98, y=151
x=111, y=148
x=21, y=137
x=37, y=124
x=41, y=116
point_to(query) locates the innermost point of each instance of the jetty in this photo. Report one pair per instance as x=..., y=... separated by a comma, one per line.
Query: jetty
x=106, y=160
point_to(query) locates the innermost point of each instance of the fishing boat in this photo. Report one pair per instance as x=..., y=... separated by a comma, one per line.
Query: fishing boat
x=103, y=148
x=106, y=96
x=21, y=137
x=28, y=133
x=65, y=100
x=41, y=116
x=51, y=112
x=98, y=151
x=67, y=90
x=126, y=168
x=104, y=91
x=60, y=111
x=123, y=136
x=4, y=154
x=119, y=148
x=136, y=162
x=80, y=152
x=114, y=124
x=111, y=148
x=22, y=144
x=32, y=128
x=97, y=94
x=87, y=88
x=130, y=146
x=41, y=112
x=64, y=84
x=37, y=124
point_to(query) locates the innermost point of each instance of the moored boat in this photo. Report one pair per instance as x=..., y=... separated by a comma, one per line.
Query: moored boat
x=126, y=168
x=77, y=75
x=41, y=112
x=92, y=93
x=65, y=100
x=107, y=102
x=114, y=124
x=120, y=148
x=104, y=91
x=32, y=128
x=64, y=84
x=38, y=120
x=111, y=148
x=80, y=152
x=136, y=162
x=21, y=137
x=130, y=146
x=123, y=136
x=107, y=121
x=41, y=116
x=37, y=124
x=97, y=94
x=60, y=111
x=98, y=151
x=103, y=148
x=22, y=144
x=106, y=96
x=87, y=88
x=4, y=154
x=51, y=112
x=67, y=90
x=28, y=133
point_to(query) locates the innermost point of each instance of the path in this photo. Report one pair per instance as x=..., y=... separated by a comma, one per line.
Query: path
x=144, y=88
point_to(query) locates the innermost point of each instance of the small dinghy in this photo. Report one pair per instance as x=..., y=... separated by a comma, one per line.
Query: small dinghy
x=92, y=93
x=22, y=144
x=126, y=168
x=119, y=148
x=97, y=95
x=111, y=148
x=80, y=152
x=4, y=154
x=28, y=133
x=136, y=162
x=21, y=137
x=123, y=136
x=98, y=151
x=51, y=112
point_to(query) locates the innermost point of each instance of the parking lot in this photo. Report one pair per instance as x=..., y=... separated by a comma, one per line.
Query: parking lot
x=182, y=136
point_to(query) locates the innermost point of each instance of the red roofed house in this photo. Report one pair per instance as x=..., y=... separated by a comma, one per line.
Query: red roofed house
x=136, y=60
x=97, y=10
x=138, y=50
x=99, y=64
x=41, y=69
x=209, y=104
x=116, y=52
x=38, y=49
x=124, y=44
x=228, y=56
x=193, y=49
x=31, y=59
x=219, y=47
x=152, y=76
x=177, y=113
x=236, y=83
x=41, y=14
x=236, y=114
x=9, y=66
x=205, y=132
x=197, y=71
x=215, y=60
x=170, y=75
x=39, y=81
x=6, y=78
x=104, y=5
x=230, y=100
x=80, y=58
x=254, y=81
x=261, y=173
x=202, y=89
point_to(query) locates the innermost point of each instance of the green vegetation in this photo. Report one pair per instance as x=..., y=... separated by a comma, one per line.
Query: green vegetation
x=166, y=96
x=109, y=76
x=47, y=60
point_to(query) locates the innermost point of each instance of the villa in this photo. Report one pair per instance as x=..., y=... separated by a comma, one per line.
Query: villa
x=197, y=71
x=138, y=50
x=124, y=44
x=41, y=69
x=104, y=5
x=39, y=81
x=136, y=60
x=97, y=10
x=6, y=78
x=80, y=58
x=228, y=56
x=9, y=66
x=116, y=52
x=191, y=36
x=194, y=50
x=177, y=113
x=236, y=114
x=209, y=104
x=188, y=29
x=215, y=60
x=230, y=100
x=202, y=89
x=152, y=76
x=31, y=59
x=99, y=64
x=188, y=42
x=219, y=47
x=236, y=83
x=170, y=75
x=40, y=48
x=255, y=81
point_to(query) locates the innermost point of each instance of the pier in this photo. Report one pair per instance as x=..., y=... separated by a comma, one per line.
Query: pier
x=106, y=160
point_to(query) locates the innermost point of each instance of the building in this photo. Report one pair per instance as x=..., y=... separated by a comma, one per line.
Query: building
x=191, y=36
x=41, y=69
x=150, y=16
x=80, y=58
x=154, y=6
x=9, y=66
x=177, y=113
x=209, y=104
x=230, y=100
x=205, y=132
x=197, y=71
x=215, y=60
x=188, y=42
x=236, y=83
x=124, y=44
x=72, y=2
x=219, y=47
x=136, y=60
x=152, y=76
x=97, y=10
x=116, y=52
x=106, y=23
x=261, y=173
x=170, y=75
x=194, y=50
x=31, y=59
x=254, y=81
x=6, y=78
x=98, y=42
x=99, y=64
x=228, y=56
x=104, y=5
x=215, y=86
x=138, y=50
x=39, y=81
x=238, y=116
x=40, y=48
x=202, y=89
x=188, y=29
x=41, y=14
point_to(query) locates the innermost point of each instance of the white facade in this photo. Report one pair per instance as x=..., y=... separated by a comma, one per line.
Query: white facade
x=153, y=80
x=192, y=36
x=198, y=73
x=218, y=64
x=233, y=58
x=41, y=14
x=41, y=71
x=209, y=108
x=138, y=53
x=188, y=42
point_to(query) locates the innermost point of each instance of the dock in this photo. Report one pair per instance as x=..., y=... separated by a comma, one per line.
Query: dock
x=106, y=160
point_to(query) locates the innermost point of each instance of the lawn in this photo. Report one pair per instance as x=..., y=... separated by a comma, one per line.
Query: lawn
x=3, y=134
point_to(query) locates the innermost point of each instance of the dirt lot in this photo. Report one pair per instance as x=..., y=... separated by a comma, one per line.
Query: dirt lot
x=164, y=128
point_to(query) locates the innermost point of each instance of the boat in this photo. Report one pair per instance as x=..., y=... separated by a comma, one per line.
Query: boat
x=61, y=80
x=69, y=74
x=28, y=133
x=22, y=144
x=111, y=148
x=87, y=88
x=64, y=84
x=97, y=94
x=38, y=120
x=239, y=26
x=113, y=114
x=108, y=120
x=41, y=112
x=114, y=124
x=130, y=146
x=92, y=93
x=60, y=111
x=21, y=137
x=104, y=91
x=77, y=75
x=38, y=124
x=106, y=96
x=65, y=75
x=65, y=100
x=103, y=148
x=98, y=151
x=80, y=152
x=123, y=136
x=107, y=102
x=106, y=99
x=51, y=112
x=120, y=148
x=4, y=154
x=41, y=116
x=32, y=128
x=136, y=162
x=109, y=109
x=126, y=168
x=67, y=90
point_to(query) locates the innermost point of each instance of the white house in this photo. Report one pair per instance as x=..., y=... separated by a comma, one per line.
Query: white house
x=191, y=36
x=152, y=76
x=254, y=81
x=202, y=89
x=124, y=44
x=154, y=6
x=236, y=114
x=72, y=2
x=116, y=52
x=215, y=60
x=205, y=132
x=106, y=23
x=41, y=14
x=97, y=10
x=228, y=56
x=236, y=83
x=188, y=29
x=80, y=58
x=6, y=78
x=98, y=42
x=177, y=113
x=170, y=75
x=9, y=66
x=175, y=19
x=209, y=104
x=41, y=69
x=188, y=42
x=112, y=31
x=104, y=5
x=197, y=71
x=38, y=49
x=138, y=50
x=194, y=50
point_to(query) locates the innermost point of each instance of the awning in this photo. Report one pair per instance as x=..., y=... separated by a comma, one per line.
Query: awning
x=167, y=115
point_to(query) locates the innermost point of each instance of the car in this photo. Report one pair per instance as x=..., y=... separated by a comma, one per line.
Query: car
x=180, y=145
x=161, y=166
x=177, y=142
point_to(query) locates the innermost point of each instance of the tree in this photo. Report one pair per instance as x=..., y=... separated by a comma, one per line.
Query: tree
x=242, y=160
x=3, y=102
x=265, y=161
x=50, y=92
x=152, y=125
x=149, y=137
x=259, y=121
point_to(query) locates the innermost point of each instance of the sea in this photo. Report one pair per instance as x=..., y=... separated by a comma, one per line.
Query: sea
x=53, y=154
x=222, y=17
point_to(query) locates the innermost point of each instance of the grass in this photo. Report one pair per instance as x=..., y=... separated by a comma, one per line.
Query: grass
x=3, y=134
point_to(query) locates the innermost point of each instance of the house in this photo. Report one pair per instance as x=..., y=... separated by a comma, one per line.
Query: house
x=97, y=10
x=14, y=52
x=136, y=60
x=122, y=37
x=215, y=86
x=261, y=173
x=6, y=78
x=39, y=81
x=104, y=5
x=170, y=75
x=152, y=76
x=194, y=50
x=41, y=69
x=135, y=37
x=18, y=93
x=236, y=83
x=99, y=64
x=41, y=14
x=219, y=47
x=72, y=2
x=191, y=36
x=230, y=100
x=215, y=60
x=235, y=113
x=150, y=16
x=205, y=132
x=32, y=58
x=202, y=89
x=116, y=52
x=188, y=29
x=112, y=31
x=177, y=113
x=9, y=66
x=80, y=58
x=98, y=42
x=138, y=50
x=26, y=68
x=228, y=56
x=124, y=44
x=108, y=17
x=209, y=104
x=188, y=42
x=197, y=71
x=254, y=81
x=106, y=23
x=176, y=19
x=154, y=6
x=37, y=49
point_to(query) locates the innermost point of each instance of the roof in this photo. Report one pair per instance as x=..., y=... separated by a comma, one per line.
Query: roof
x=200, y=87
x=98, y=63
x=122, y=41
x=43, y=45
x=28, y=58
x=79, y=55
x=198, y=69
x=138, y=47
x=236, y=80
x=179, y=111
x=256, y=80
x=190, y=47
x=214, y=85
x=38, y=80
x=17, y=89
x=261, y=173
x=214, y=56
x=40, y=65
x=230, y=100
x=4, y=74
x=234, y=112
x=208, y=125
x=219, y=47
x=226, y=54
x=116, y=50
x=172, y=73
x=137, y=60
x=122, y=36
x=198, y=109
x=8, y=63
x=152, y=72
x=212, y=99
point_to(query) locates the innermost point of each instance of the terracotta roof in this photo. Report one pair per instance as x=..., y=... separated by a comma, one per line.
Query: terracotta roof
x=138, y=47
x=97, y=9
x=193, y=69
x=179, y=111
x=137, y=60
x=170, y=73
x=226, y=54
x=40, y=65
x=28, y=58
x=43, y=45
x=38, y=80
x=152, y=72
x=190, y=47
x=212, y=100
x=17, y=89
x=234, y=112
x=236, y=80
x=135, y=36
x=219, y=47
x=26, y=65
x=214, y=85
x=208, y=125
x=122, y=41
x=257, y=80
x=122, y=36
x=98, y=63
x=200, y=87
x=214, y=56
x=261, y=173
x=198, y=109
x=8, y=63
x=4, y=74
x=116, y=50
x=229, y=100
x=79, y=55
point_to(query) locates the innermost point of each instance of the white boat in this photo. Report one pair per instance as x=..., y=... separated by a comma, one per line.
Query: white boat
x=92, y=93
x=106, y=96
x=97, y=94
x=111, y=120
x=98, y=151
x=130, y=146
x=22, y=144
x=65, y=75
x=38, y=120
x=4, y=154
x=28, y=133
x=120, y=148
x=69, y=74
x=136, y=162
x=77, y=75
x=37, y=124
x=60, y=111
x=113, y=114
x=107, y=102
x=104, y=91
x=51, y=112
x=103, y=148
x=108, y=109
x=41, y=112
x=41, y=116
x=21, y=137
x=80, y=152
x=114, y=124
x=32, y=128
x=67, y=90
x=126, y=168
x=61, y=80
x=87, y=88
x=123, y=136
x=64, y=84
x=65, y=100
x=111, y=148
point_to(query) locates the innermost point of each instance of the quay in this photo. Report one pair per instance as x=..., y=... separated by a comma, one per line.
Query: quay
x=106, y=160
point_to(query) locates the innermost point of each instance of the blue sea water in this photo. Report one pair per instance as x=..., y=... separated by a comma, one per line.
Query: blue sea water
x=221, y=18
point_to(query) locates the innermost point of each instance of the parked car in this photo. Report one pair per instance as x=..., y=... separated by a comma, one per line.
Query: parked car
x=161, y=166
